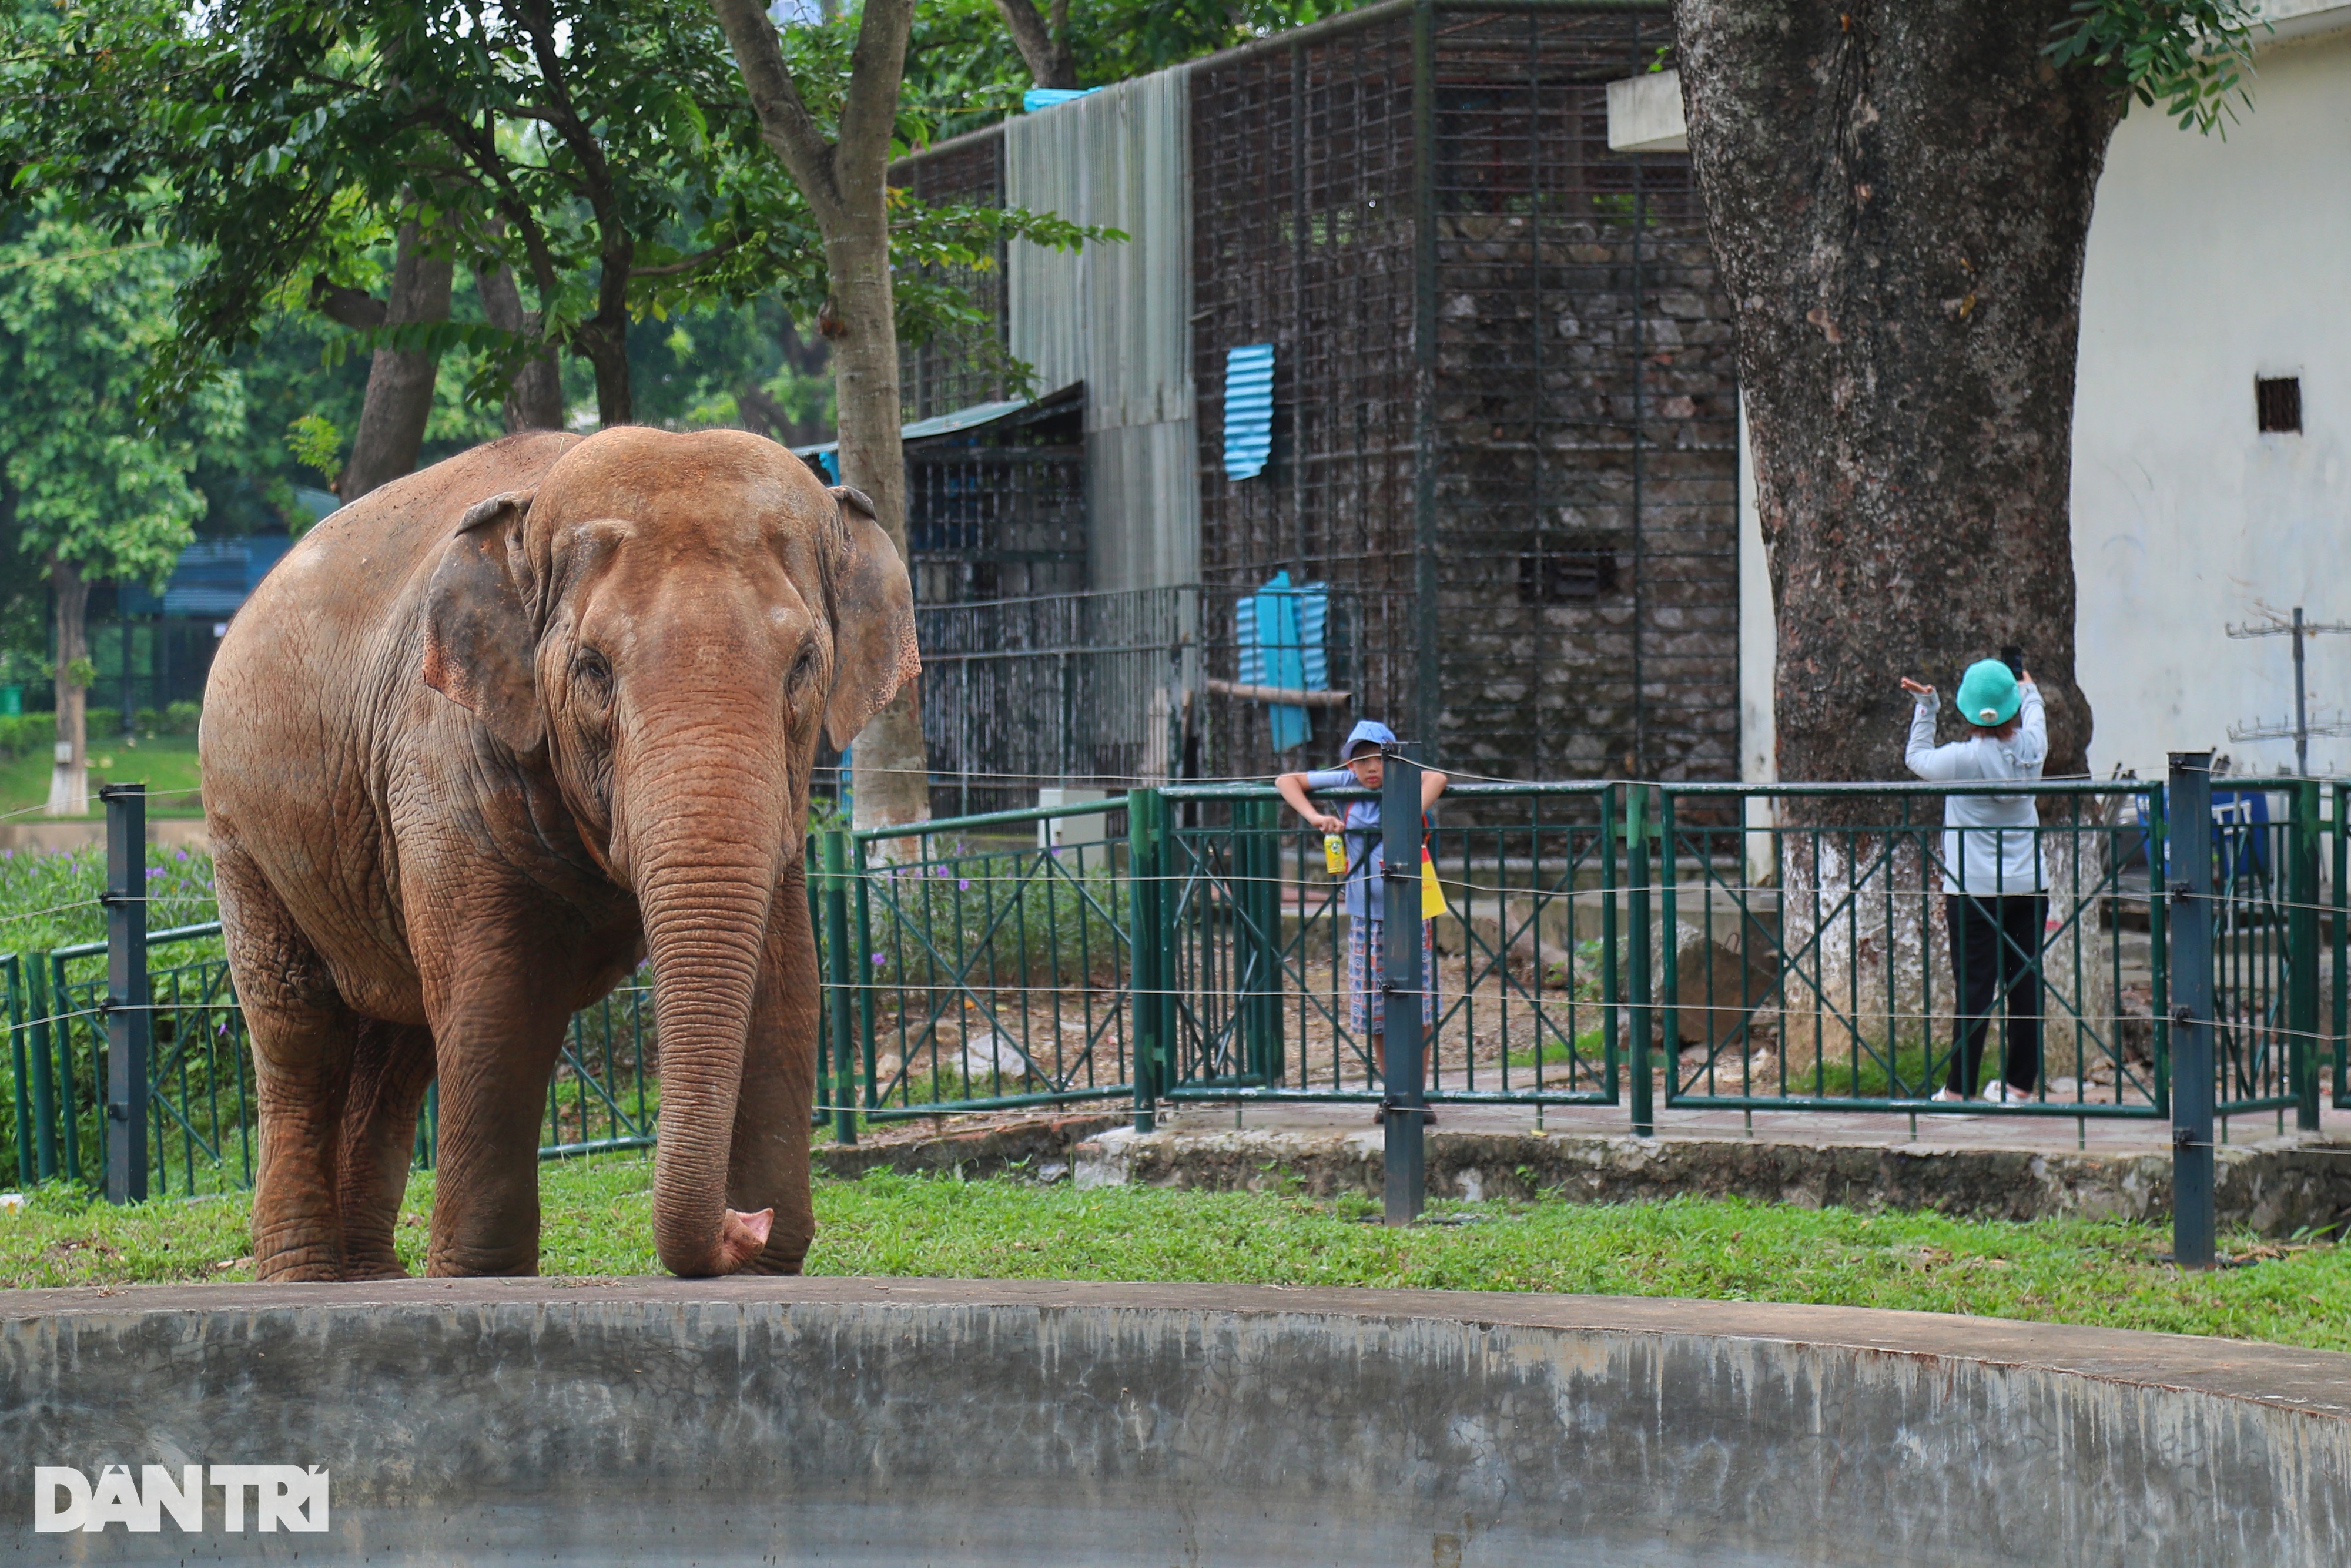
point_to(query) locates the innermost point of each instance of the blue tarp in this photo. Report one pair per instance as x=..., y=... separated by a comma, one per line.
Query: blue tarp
x=1038, y=97
x=1248, y=410
x=1280, y=629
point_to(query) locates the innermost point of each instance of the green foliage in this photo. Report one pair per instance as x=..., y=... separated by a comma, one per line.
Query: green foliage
x=2196, y=56
x=314, y=440
x=27, y=734
x=49, y=897
x=91, y=479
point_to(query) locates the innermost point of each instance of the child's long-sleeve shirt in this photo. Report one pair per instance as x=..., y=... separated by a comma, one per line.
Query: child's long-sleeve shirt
x=1981, y=856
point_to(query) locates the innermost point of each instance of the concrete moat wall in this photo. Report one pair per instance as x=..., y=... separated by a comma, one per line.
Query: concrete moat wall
x=972, y=1422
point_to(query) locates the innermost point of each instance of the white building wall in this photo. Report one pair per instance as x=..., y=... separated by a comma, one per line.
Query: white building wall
x=2211, y=263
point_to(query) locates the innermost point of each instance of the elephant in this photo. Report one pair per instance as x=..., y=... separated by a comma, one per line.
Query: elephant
x=483, y=742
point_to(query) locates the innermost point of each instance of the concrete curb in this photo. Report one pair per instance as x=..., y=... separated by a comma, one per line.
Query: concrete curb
x=977, y=1421
x=2276, y=1188
x=1043, y=1148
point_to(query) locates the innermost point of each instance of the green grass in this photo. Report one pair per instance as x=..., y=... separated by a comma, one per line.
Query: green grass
x=598, y=1221
x=1590, y=1047
x=166, y=764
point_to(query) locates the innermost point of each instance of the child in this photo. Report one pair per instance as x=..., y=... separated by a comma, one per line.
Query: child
x=1996, y=903
x=1366, y=927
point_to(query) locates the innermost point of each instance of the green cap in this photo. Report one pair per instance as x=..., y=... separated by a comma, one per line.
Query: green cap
x=1988, y=695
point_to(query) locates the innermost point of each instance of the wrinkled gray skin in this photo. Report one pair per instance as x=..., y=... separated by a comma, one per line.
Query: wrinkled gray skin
x=482, y=742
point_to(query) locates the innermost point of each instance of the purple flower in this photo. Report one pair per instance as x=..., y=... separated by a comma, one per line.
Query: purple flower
x=182, y=855
x=963, y=884
x=879, y=959
x=154, y=871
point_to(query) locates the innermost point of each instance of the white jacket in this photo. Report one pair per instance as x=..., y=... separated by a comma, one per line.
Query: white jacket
x=1981, y=856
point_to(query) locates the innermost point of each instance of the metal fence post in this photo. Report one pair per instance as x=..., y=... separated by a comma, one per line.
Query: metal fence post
x=44, y=1073
x=2302, y=949
x=1401, y=986
x=1261, y=936
x=2339, y=936
x=1146, y=838
x=1640, y=1012
x=129, y=1022
x=2187, y=890
x=847, y=972
x=22, y=1064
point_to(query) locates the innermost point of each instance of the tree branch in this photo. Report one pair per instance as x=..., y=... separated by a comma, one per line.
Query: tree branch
x=784, y=123
x=870, y=117
x=349, y=306
x=670, y=270
x=1044, y=51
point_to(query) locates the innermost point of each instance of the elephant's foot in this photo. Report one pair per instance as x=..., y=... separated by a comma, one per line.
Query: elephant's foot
x=375, y=1270
x=284, y=1270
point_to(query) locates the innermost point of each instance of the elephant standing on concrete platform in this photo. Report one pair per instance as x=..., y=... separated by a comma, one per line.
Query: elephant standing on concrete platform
x=481, y=743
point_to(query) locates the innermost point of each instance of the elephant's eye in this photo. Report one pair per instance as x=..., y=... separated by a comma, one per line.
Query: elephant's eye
x=594, y=674
x=803, y=668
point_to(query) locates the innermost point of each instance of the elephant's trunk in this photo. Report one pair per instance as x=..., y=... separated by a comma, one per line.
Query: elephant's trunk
x=704, y=860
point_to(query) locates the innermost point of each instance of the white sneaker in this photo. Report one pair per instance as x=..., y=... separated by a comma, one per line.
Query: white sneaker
x=1947, y=1096
x=2004, y=1094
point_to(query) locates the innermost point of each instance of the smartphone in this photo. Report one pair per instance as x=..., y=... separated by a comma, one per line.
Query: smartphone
x=2014, y=657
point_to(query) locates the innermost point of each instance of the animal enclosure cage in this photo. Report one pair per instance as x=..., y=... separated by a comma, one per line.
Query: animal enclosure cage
x=997, y=509
x=1505, y=412
x=1505, y=408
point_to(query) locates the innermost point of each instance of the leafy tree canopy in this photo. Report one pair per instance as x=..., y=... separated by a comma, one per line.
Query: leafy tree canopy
x=85, y=477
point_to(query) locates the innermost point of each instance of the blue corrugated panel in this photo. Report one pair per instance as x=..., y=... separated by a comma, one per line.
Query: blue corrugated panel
x=1038, y=97
x=1280, y=631
x=1248, y=409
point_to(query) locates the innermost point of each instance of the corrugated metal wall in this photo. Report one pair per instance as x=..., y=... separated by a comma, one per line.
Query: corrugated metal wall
x=1113, y=314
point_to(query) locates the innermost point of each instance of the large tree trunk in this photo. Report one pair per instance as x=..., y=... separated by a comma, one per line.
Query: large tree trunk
x=1898, y=197
x=535, y=394
x=890, y=769
x=69, y=775
x=847, y=189
x=399, y=383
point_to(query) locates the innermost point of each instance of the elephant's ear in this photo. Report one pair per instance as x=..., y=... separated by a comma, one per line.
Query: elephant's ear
x=479, y=646
x=874, y=623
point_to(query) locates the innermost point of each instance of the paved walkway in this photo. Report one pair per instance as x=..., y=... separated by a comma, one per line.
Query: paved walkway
x=1863, y=1129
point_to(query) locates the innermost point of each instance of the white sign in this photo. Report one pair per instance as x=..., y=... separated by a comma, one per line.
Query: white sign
x=285, y=1497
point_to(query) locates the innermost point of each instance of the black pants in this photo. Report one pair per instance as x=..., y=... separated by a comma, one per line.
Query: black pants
x=1996, y=954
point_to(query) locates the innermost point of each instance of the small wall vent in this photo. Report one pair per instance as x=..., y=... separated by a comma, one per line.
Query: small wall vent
x=2277, y=404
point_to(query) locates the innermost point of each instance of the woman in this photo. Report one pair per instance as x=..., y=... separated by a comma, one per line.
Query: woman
x=1996, y=905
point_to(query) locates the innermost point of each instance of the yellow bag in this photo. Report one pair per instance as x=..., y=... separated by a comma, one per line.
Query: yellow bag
x=1432, y=896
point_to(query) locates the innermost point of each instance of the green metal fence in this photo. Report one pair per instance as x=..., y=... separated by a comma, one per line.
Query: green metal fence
x=1830, y=967
x=1601, y=944
x=981, y=963
x=200, y=1134
x=1254, y=937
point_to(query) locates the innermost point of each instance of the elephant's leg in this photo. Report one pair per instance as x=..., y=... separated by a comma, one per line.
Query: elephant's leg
x=302, y=1036
x=493, y=997
x=391, y=1069
x=768, y=1167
